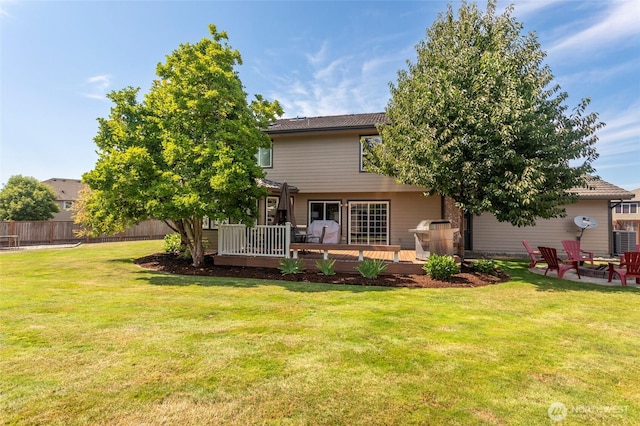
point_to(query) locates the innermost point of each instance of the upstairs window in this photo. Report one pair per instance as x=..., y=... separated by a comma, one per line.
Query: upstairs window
x=370, y=141
x=66, y=205
x=627, y=208
x=265, y=157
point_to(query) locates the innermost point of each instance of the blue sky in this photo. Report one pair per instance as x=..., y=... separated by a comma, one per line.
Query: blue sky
x=59, y=59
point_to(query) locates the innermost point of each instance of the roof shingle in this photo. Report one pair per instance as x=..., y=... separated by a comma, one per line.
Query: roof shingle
x=601, y=190
x=333, y=122
x=65, y=189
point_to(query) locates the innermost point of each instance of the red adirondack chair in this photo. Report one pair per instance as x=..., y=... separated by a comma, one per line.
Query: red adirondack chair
x=622, y=259
x=533, y=254
x=550, y=255
x=575, y=253
x=631, y=268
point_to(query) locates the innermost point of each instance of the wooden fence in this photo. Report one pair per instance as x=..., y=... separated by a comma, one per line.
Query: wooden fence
x=62, y=232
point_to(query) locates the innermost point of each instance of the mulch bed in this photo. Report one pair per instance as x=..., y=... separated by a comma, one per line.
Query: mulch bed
x=177, y=265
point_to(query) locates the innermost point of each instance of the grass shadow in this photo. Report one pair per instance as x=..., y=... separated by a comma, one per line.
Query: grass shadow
x=165, y=279
x=519, y=271
x=122, y=260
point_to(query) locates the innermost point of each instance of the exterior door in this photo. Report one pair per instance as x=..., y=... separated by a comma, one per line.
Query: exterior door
x=368, y=222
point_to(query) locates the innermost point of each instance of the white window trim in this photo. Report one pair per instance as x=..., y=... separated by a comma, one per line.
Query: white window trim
x=212, y=224
x=259, y=157
x=325, y=202
x=387, y=230
x=619, y=209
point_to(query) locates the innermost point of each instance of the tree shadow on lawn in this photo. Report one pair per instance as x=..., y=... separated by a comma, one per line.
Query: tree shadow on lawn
x=166, y=279
x=519, y=272
x=122, y=260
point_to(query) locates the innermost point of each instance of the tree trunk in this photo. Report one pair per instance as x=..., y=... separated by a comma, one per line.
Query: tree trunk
x=190, y=231
x=456, y=216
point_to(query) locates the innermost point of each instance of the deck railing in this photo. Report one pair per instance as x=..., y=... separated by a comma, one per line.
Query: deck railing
x=259, y=240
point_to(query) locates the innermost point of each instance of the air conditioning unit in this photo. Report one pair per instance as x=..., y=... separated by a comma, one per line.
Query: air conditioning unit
x=624, y=241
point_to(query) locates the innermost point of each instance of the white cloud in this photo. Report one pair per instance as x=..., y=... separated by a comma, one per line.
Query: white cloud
x=338, y=83
x=3, y=9
x=598, y=75
x=319, y=56
x=97, y=86
x=620, y=22
x=619, y=142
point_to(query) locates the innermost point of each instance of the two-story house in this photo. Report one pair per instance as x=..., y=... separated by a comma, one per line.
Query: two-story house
x=626, y=215
x=322, y=158
x=66, y=193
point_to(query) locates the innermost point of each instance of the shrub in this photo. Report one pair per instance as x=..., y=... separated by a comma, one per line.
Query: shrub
x=326, y=266
x=173, y=243
x=371, y=268
x=487, y=266
x=291, y=266
x=440, y=267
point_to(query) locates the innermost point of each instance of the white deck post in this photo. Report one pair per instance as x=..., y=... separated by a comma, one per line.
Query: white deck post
x=287, y=241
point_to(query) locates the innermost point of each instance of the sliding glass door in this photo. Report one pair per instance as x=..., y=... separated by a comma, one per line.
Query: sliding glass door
x=368, y=222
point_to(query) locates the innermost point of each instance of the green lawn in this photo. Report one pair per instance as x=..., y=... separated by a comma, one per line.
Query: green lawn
x=87, y=337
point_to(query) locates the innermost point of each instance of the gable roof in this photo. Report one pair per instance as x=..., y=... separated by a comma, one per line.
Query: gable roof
x=326, y=123
x=597, y=189
x=65, y=189
x=601, y=190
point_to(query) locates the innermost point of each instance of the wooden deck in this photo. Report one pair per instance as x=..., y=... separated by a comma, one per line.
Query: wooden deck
x=346, y=261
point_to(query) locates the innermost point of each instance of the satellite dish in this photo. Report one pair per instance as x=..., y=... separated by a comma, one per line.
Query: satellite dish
x=585, y=222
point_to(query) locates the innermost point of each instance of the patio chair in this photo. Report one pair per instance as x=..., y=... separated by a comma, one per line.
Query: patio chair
x=631, y=268
x=317, y=238
x=550, y=255
x=622, y=259
x=575, y=253
x=533, y=254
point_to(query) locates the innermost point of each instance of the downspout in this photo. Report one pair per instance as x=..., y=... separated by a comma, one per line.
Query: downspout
x=610, y=220
x=612, y=205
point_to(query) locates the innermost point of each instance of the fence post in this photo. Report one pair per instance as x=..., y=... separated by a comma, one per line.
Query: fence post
x=287, y=240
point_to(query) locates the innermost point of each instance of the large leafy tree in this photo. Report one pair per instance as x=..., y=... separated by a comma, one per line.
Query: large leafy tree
x=185, y=152
x=26, y=198
x=476, y=118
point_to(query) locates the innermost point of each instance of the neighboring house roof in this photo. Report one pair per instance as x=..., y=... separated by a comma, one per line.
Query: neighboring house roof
x=65, y=189
x=636, y=193
x=334, y=122
x=601, y=190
